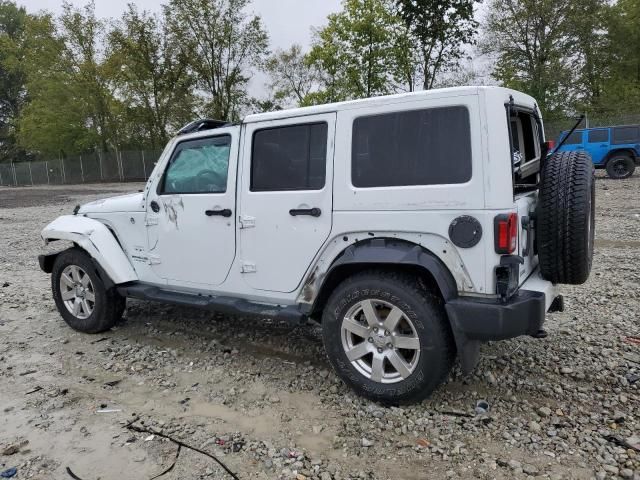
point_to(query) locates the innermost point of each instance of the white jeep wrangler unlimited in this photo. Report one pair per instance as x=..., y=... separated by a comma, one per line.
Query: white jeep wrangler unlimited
x=413, y=227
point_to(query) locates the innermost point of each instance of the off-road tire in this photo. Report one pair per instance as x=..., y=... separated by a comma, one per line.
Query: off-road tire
x=426, y=312
x=566, y=218
x=109, y=305
x=620, y=166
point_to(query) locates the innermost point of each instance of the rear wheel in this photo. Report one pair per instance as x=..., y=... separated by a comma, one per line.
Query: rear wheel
x=620, y=166
x=387, y=337
x=80, y=295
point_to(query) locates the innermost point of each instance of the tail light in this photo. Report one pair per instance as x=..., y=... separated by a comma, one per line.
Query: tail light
x=506, y=232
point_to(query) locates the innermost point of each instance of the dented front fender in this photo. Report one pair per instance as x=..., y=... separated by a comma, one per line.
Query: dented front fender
x=97, y=240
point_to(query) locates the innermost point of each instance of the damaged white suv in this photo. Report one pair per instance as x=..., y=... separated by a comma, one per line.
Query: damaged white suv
x=413, y=227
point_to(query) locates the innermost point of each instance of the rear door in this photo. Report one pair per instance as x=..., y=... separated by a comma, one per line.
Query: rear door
x=286, y=198
x=598, y=144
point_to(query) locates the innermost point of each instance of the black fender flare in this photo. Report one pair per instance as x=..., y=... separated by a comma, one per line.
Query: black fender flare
x=628, y=151
x=387, y=252
x=378, y=252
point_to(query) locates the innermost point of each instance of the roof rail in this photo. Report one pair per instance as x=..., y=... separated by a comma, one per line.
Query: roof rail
x=202, y=124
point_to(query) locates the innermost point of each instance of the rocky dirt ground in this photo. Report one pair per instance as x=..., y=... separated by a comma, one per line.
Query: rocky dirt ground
x=262, y=398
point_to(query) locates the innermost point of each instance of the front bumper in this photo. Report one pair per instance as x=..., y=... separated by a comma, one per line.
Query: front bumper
x=484, y=319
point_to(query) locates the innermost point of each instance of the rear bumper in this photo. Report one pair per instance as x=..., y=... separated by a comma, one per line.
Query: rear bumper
x=491, y=319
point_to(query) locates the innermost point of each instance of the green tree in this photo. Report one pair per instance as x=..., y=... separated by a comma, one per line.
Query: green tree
x=72, y=105
x=292, y=77
x=441, y=29
x=531, y=41
x=361, y=52
x=12, y=78
x=225, y=46
x=621, y=85
x=83, y=35
x=589, y=55
x=53, y=122
x=152, y=76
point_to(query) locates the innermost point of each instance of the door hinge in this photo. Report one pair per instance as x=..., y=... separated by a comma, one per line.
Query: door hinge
x=248, y=267
x=247, y=222
x=153, y=259
x=151, y=221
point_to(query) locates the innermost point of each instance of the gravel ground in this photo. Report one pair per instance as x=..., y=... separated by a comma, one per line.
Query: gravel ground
x=261, y=395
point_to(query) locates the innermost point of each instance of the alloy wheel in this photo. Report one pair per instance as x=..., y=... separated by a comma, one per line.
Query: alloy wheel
x=380, y=341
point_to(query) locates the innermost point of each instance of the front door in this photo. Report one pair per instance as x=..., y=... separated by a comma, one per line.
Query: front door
x=191, y=212
x=286, y=202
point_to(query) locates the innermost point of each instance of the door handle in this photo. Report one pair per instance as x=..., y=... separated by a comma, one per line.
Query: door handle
x=218, y=213
x=154, y=206
x=312, y=212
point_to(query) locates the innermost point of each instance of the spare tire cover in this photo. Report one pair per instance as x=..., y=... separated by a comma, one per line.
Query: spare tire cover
x=566, y=218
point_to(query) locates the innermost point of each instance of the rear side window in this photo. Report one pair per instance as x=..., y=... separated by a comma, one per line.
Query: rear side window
x=419, y=147
x=289, y=158
x=626, y=135
x=575, y=138
x=598, y=136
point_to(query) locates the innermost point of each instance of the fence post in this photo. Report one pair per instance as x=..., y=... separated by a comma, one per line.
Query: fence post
x=81, y=170
x=1, y=177
x=64, y=175
x=100, y=165
x=119, y=162
x=30, y=174
x=144, y=168
x=15, y=178
x=46, y=167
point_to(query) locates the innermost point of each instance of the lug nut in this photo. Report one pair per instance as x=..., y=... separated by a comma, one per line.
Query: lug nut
x=386, y=333
x=389, y=345
x=370, y=340
x=379, y=350
x=375, y=329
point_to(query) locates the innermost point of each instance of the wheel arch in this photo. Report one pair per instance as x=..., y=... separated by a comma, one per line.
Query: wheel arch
x=96, y=239
x=384, y=254
x=629, y=152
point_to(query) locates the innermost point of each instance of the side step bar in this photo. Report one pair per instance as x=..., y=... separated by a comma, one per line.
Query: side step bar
x=229, y=305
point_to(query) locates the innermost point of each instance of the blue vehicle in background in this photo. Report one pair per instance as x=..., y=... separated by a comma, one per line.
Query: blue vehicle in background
x=615, y=148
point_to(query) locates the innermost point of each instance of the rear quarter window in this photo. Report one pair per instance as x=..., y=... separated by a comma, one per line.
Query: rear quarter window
x=626, y=135
x=419, y=147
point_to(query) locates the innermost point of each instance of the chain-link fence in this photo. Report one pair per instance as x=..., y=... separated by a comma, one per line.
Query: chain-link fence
x=95, y=167
x=553, y=128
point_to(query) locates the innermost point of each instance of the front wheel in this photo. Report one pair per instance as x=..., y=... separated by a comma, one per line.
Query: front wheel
x=80, y=295
x=387, y=337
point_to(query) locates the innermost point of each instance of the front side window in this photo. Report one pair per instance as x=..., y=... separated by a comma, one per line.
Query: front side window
x=626, y=135
x=598, y=136
x=575, y=138
x=292, y=157
x=418, y=147
x=198, y=166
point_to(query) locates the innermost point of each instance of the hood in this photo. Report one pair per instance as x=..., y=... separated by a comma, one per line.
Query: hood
x=133, y=202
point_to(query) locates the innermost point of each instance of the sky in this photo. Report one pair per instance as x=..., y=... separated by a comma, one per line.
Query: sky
x=287, y=21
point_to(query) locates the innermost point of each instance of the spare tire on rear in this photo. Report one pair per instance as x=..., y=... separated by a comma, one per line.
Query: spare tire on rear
x=566, y=218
